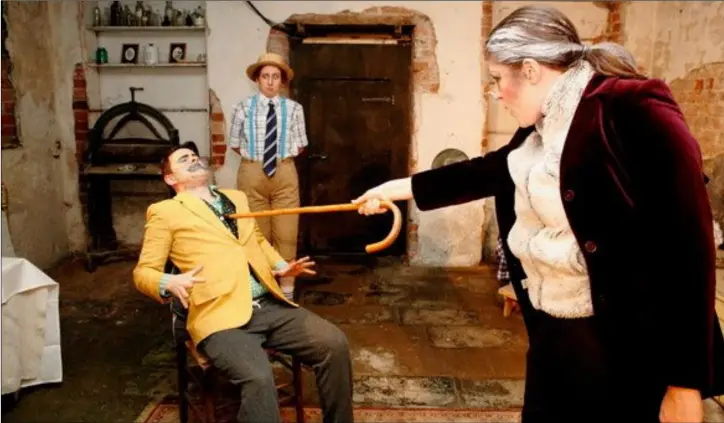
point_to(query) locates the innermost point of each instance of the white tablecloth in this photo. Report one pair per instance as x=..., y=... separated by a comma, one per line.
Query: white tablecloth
x=30, y=326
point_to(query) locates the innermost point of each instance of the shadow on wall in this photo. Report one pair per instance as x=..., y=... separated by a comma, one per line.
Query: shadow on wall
x=447, y=229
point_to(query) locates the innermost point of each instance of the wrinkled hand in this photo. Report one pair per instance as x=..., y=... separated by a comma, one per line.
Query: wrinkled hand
x=181, y=285
x=681, y=405
x=295, y=268
x=370, y=202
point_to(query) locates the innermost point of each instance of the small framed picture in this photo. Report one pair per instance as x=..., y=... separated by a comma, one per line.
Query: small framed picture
x=177, y=53
x=129, y=53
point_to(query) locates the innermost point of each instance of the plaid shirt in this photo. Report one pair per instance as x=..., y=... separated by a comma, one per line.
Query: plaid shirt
x=503, y=274
x=248, y=135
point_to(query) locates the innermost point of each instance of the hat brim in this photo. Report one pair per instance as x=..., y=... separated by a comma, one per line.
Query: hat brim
x=283, y=67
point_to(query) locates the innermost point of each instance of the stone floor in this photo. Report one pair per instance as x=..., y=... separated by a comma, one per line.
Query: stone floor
x=419, y=337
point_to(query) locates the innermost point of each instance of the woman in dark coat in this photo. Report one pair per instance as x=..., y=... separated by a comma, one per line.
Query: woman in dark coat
x=606, y=224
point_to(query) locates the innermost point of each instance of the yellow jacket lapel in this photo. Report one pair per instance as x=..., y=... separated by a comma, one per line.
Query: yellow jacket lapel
x=202, y=210
x=246, y=225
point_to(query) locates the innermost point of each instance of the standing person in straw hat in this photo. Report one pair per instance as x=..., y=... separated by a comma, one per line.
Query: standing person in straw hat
x=268, y=131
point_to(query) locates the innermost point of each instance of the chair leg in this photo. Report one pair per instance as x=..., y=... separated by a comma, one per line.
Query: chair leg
x=298, y=383
x=208, y=395
x=183, y=383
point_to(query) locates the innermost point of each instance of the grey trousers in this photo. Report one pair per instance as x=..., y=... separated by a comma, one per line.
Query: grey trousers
x=239, y=353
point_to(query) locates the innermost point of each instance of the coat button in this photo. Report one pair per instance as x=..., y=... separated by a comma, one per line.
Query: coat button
x=569, y=195
x=590, y=246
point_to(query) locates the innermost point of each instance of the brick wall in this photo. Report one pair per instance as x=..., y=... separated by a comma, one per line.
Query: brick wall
x=81, y=122
x=217, y=131
x=80, y=109
x=486, y=26
x=9, y=122
x=700, y=95
x=614, y=23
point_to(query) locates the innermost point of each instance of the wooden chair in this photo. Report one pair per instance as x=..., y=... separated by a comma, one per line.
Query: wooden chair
x=206, y=403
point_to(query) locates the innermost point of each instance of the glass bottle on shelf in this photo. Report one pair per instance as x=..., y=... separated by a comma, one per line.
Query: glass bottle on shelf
x=199, y=17
x=128, y=16
x=97, y=19
x=146, y=20
x=179, y=18
x=117, y=14
x=168, y=14
x=139, y=13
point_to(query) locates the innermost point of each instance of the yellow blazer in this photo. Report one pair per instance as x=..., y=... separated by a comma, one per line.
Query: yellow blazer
x=185, y=230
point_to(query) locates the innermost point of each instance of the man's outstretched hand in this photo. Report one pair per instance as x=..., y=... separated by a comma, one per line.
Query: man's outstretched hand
x=180, y=285
x=296, y=268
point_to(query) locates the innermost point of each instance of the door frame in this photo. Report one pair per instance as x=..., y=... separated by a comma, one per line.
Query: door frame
x=393, y=35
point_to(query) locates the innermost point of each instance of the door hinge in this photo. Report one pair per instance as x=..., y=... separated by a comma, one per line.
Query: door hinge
x=390, y=100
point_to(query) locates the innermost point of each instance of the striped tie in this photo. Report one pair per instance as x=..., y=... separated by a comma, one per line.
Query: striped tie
x=270, y=142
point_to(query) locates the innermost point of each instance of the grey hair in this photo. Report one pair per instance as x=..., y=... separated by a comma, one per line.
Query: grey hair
x=546, y=35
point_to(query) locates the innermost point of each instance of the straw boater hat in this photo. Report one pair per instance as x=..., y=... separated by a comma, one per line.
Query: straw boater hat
x=270, y=59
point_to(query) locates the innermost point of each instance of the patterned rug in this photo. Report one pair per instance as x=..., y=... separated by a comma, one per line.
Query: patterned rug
x=166, y=411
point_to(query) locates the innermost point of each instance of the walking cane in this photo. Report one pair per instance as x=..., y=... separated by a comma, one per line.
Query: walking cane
x=370, y=248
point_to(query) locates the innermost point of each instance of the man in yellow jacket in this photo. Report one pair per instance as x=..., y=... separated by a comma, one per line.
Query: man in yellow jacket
x=227, y=281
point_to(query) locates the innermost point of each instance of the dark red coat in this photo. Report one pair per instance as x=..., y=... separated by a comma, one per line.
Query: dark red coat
x=633, y=190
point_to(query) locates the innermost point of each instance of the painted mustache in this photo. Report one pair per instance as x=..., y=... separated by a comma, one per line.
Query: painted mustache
x=196, y=166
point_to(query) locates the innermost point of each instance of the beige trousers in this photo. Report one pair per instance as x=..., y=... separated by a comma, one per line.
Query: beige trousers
x=278, y=192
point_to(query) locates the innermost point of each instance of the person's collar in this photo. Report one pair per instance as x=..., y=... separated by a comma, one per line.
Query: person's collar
x=564, y=94
x=264, y=100
x=194, y=192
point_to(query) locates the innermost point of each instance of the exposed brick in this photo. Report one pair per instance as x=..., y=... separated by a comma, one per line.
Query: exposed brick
x=614, y=23
x=703, y=106
x=698, y=85
x=277, y=42
x=486, y=27
x=80, y=116
x=78, y=72
x=8, y=107
x=80, y=135
x=217, y=130
x=9, y=130
x=79, y=94
x=9, y=120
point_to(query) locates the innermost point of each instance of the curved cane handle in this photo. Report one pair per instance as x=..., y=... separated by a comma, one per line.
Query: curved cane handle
x=394, y=232
x=370, y=248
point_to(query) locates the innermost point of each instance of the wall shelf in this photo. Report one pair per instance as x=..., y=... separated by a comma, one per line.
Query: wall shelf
x=143, y=65
x=178, y=90
x=167, y=110
x=146, y=28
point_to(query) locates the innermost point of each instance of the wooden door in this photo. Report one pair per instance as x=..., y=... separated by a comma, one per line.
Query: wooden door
x=356, y=100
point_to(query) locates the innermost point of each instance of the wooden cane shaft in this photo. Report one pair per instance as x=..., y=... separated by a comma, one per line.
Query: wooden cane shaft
x=297, y=210
x=370, y=248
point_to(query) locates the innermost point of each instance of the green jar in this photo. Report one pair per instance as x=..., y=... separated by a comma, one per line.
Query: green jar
x=101, y=55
